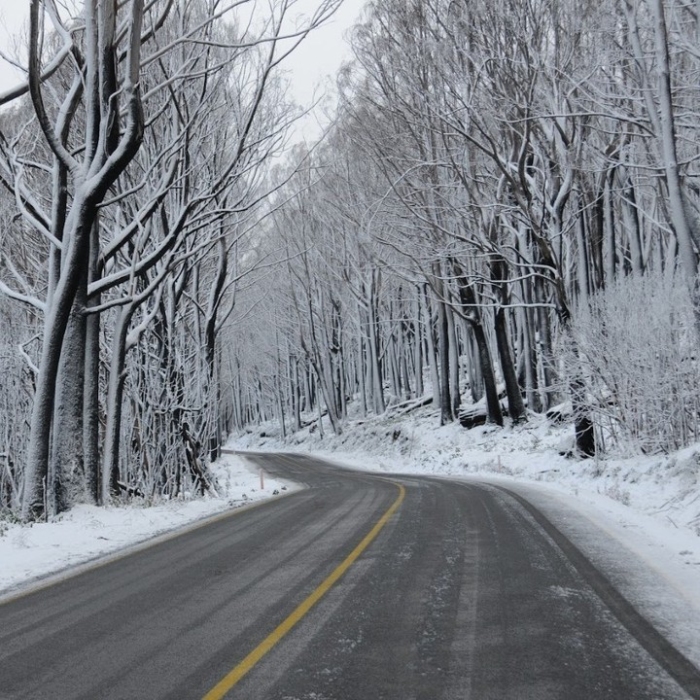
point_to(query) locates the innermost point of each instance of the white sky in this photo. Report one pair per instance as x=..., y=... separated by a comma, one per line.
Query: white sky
x=312, y=68
x=12, y=17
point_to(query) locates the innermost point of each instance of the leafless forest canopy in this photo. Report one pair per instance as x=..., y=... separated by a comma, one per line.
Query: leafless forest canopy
x=503, y=219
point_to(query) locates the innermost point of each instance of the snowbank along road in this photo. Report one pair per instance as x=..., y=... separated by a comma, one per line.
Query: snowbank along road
x=359, y=587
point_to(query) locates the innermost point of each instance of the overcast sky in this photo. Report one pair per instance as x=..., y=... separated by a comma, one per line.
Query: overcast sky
x=312, y=68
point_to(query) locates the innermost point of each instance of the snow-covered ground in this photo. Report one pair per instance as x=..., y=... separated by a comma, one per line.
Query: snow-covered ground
x=31, y=554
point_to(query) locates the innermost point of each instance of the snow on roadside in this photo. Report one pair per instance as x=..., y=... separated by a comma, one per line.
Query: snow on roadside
x=31, y=552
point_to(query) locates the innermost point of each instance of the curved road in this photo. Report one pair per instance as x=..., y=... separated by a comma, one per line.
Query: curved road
x=358, y=588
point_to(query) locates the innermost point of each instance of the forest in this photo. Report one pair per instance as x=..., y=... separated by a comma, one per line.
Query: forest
x=502, y=218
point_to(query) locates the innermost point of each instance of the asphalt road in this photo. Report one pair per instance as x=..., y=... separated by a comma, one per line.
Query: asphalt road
x=358, y=588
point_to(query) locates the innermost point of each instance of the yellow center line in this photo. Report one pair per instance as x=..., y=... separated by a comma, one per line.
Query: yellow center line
x=235, y=675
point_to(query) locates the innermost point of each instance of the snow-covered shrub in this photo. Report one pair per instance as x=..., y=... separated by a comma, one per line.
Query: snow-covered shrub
x=637, y=349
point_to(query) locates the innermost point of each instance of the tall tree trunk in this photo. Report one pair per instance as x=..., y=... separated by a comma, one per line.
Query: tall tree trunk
x=295, y=391
x=545, y=339
x=493, y=406
x=362, y=369
x=446, y=414
x=516, y=407
x=584, y=273
x=57, y=317
x=115, y=394
x=454, y=360
x=476, y=381
x=432, y=350
x=633, y=226
x=527, y=316
x=91, y=394
x=682, y=226
x=610, y=234
x=467, y=298
x=418, y=349
x=66, y=467
x=375, y=366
